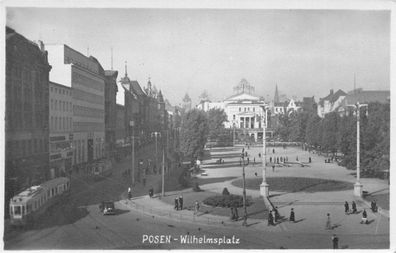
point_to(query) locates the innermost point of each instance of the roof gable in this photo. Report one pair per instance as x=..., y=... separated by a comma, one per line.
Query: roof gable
x=242, y=96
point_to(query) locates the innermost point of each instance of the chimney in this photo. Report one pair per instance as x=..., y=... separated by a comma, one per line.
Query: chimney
x=41, y=45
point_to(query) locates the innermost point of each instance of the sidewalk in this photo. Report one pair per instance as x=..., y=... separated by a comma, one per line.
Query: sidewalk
x=310, y=208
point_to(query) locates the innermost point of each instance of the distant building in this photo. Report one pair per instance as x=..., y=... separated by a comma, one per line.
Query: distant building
x=309, y=104
x=26, y=113
x=86, y=78
x=330, y=103
x=61, y=129
x=363, y=97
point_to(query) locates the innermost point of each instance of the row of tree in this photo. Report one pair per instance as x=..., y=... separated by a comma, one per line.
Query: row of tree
x=337, y=134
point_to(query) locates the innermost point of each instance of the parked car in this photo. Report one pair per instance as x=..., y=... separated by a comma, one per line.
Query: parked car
x=107, y=207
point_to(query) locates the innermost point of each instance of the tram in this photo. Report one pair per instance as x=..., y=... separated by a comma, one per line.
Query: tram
x=28, y=205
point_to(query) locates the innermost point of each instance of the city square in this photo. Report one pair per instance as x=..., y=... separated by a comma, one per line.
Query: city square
x=197, y=128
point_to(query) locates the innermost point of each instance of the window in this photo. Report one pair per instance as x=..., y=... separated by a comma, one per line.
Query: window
x=56, y=90
x=254, y=109
x=240, y=109
x=17, y=210
x=51, y=89
x=56, y=105
x=233, y=117
x=52, y=104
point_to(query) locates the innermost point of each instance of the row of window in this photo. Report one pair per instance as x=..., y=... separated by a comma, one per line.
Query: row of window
x=61, y=91
x=27, y=147
x=60, y=123
x=247, y=109
x=59, y=105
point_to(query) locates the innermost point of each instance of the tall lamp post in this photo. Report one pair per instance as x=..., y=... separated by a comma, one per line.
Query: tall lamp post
x=132, y=124
x=264, y=187
x=244, y=189
x=357, y=189
x=156, y=135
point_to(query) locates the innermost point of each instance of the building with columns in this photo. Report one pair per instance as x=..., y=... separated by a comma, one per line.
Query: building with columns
x=244, y=111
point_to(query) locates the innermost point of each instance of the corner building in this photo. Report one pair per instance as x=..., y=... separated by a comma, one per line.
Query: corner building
x=86, y=78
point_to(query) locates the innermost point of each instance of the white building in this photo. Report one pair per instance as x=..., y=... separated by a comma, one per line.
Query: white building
x=85, y=76
x=331, y=102
x=244, y=113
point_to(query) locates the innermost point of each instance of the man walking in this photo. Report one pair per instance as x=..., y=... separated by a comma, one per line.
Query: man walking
x=346, y=205
x=177, y=204
x=334, y=239
x=292, y=217
x=328, y=222
x=196, y=207
x=181, y=202
x=364, y=217
x=354, y=209
x=270, y=219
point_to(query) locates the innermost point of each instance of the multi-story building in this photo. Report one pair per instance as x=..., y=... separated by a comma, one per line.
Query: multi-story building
x=86, y=78
x=110, y=112
x=26, y=113
x=363, y=97
x=61, y=129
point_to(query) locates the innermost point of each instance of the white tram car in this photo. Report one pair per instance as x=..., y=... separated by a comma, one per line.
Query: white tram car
x=26, y=206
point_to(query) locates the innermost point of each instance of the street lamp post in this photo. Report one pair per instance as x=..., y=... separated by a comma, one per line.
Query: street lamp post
x=264, y=187
x=156, y=134
x=357, y=189
x=244, y=189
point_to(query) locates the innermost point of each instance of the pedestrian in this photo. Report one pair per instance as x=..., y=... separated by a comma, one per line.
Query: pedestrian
x=277, y=160
x=196, y=207
x=151, y=192
x=346, y=205
x=328, y=222
x=129, y=193
x=354, y=209
x=270, y=159
x=310, y=160
x=270, y=219
x=259, y=155
x=292, y=217
x=364, y=217
x=248, y=160
x=177, y=204
x=277, y=216
x=273, y=151
x=273, y=168
x=334, y=239
x=181, y=202
x=374, y=206
x=274, y=216
x=281, y=159
x=297, y=158
x=236, y=213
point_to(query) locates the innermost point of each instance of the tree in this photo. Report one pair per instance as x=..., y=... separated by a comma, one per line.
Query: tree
x=216, y=119
x=194, y=134
x=329, y=136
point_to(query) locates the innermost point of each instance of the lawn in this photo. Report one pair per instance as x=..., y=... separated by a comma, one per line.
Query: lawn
x=296, y=184
x=257, y=210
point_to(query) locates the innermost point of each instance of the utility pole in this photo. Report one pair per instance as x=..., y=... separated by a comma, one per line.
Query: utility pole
x=131, y=124
x=163, y=172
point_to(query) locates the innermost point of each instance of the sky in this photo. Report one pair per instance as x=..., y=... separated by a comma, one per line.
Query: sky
x=304, y=52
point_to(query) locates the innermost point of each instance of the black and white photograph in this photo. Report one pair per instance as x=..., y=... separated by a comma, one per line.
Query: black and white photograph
x=205, y=126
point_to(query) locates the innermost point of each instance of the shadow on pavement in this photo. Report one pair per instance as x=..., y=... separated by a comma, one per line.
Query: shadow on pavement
x=121, y=211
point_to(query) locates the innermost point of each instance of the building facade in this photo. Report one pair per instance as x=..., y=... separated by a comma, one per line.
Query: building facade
x=110, y=112
x=60, y=130
x=86, y=78
x=26, y=113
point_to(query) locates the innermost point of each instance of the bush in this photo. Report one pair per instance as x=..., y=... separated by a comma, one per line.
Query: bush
x=225, y=191
x=226, y=201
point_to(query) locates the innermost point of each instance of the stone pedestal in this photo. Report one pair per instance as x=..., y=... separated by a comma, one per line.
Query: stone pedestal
x=264, y=190
x=357, y=189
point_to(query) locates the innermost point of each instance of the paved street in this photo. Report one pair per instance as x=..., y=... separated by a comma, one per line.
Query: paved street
x=145, y=216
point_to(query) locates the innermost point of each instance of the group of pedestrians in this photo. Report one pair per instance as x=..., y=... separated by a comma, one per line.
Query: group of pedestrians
x=273, y=217
x=179, y=203
x=354, y=211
